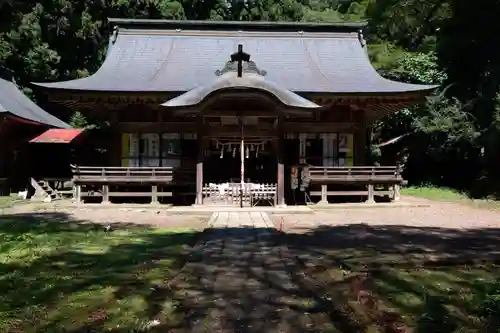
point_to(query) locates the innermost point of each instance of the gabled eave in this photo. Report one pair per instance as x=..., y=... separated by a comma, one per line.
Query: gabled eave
x=15, y=104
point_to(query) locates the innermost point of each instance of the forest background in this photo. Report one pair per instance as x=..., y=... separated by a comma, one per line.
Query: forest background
x=453, y=140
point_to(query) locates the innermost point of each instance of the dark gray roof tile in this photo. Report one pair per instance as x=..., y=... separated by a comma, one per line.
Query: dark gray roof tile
x=230, y=80
x=179, y=60
x=13, y=101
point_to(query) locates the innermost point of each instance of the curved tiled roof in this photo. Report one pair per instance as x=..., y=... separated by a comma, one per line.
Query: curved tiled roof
x=150, y=57
x=251, y=81
x=14, y=102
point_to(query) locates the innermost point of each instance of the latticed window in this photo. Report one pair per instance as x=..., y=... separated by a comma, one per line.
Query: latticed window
x=152, y=149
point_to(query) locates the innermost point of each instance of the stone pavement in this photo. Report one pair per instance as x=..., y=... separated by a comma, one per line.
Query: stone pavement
x=246, y=282
x=240, y=219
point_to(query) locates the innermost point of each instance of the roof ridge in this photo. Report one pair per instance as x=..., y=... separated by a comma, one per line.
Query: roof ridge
x=219, y=33
x=232, y=25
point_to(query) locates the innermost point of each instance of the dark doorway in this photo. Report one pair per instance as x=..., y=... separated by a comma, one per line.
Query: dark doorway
x=223, y=164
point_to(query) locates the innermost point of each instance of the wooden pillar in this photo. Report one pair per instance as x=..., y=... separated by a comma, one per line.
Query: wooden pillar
x=160, y=140
x=302, y=147
x=78, y=194
x=105, y=194
x=160, y=148
x=360, y=142
x=324, y=195
x=154, y=195
x=105, y=189
x=200, y=137
x=280, y=145
x=397, y=187
x=397, y=192
x=371, y=194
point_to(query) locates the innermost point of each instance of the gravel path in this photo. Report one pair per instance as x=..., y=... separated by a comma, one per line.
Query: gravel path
x=115, y=214
x=438, y=234
x=433, y=215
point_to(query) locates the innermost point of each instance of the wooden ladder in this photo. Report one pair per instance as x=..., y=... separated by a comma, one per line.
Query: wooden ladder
x=43, y=190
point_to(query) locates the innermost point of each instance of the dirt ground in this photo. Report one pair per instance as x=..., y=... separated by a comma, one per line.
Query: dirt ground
x=429, y=214
x=424, y=213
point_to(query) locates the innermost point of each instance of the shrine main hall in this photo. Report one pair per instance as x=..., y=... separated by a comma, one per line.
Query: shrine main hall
x=196, y=108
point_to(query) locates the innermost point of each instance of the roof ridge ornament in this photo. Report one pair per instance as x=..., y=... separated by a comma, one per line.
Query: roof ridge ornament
x=240, y=62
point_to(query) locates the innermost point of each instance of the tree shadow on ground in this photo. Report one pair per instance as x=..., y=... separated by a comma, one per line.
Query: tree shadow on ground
x=58, y=271
x=427, y=274
x=64, y=275
x=416, y=245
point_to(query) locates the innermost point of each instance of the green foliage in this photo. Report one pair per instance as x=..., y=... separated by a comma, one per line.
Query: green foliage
x=421, y=67
x=447, y=122
x=78, y=120
x=412, y=24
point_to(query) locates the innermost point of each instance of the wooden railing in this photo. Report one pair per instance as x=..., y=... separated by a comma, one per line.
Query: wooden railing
x=379, y=180
x=86, y=174
x=96, y=181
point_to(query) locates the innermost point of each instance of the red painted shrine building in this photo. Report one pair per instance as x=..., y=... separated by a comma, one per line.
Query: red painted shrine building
x=198, y=96
x=20, y=121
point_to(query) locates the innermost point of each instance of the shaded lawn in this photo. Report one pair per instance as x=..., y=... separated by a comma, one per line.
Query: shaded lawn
x=450, y=195
x=59, y=275
x=441, y=299
x=426, y=279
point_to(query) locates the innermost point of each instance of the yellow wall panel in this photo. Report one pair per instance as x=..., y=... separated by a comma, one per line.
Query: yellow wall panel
x=125, y=149
x=350, y=146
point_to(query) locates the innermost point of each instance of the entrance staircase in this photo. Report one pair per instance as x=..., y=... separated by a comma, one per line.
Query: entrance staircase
x=43, y=190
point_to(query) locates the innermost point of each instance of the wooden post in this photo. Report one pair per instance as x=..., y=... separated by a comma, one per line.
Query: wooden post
x=199, y=163
x=302, y=147
x=154, y=195
x=397, y=192
x=242, y=160
x=78, y=194
x=105, y=194
x=360, y=141
x=324, y=195
x=397, y=187
x=160, y=149
x=280, y=142
x=105, y=189
x=371, y=194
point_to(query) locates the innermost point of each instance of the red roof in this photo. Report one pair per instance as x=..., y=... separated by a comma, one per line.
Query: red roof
x=58, y=135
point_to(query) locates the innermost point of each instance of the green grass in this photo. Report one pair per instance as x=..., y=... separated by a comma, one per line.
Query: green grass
x=6, y=201
x=442, y=298
x=62, y=276
x=430, y=279
x=449, y=195
x=434, y=193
